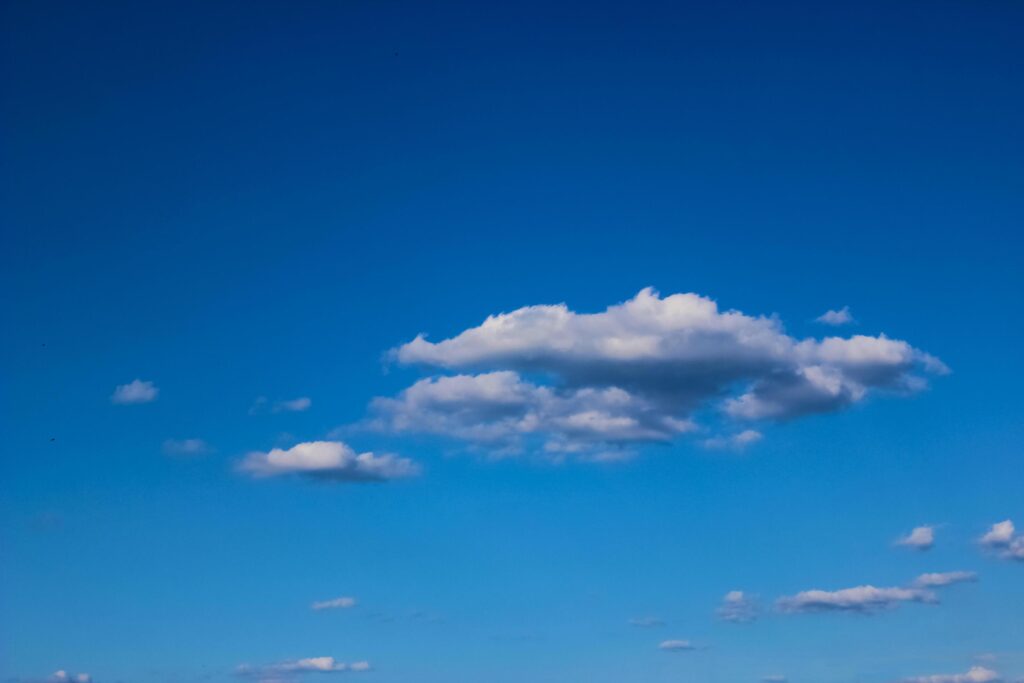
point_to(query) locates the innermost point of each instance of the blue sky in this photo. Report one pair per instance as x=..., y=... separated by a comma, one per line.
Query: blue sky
x=242, y=205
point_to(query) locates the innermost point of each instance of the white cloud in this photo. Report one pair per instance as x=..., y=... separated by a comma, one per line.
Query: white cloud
x=186, y=447
x=738, y=607
x=646, y=622
x=836, y=318
x=336, y=603
x=977, y=674
x=920, y=538
x=301, y=666
x=864, y=599
x=62, y=676
x=327, y=460
x=940, y=579
x=295, y=405
x=675, y=645
x=1003, y=536
x=136, y=391
x=635, y=372
x=735, y=442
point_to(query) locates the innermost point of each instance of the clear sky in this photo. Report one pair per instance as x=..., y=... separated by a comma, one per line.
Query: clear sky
x=225, y=224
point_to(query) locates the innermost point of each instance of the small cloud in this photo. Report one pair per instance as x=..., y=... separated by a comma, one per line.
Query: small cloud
x=296, y=405
x=738, y=607
x=675, y=645
x=938, y=580
x=186, y=447
x=136, y=391
x=646, y=622
x=862, y=599
x=327, y=461
x=300, y=666
x=921, y=538
x=836, y=318
x=64, y=677
x=976, y=674
x=734, y=442
x=1003, y=536
x=774, y=679
x=336, y=603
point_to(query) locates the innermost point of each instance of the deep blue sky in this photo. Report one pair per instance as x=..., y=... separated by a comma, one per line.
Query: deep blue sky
x=235, y=200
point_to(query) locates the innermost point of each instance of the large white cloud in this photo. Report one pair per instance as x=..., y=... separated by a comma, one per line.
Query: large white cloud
x=327, y=460
x=977, y=674
x=864, y=599
x=635, y=372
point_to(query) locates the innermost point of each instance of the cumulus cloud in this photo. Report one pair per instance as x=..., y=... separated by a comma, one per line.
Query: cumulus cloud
x=136, y=391
x=738, y=607
x=636, y=372
x=836, y=318
x=940, y=579
x=62, y=676
x=977, y=674
x=329, y=461
x=336, y=603
x=186, y=447
x=646, y=622
x=675, y=645
x=300, y=666
x=734, y=442
x=920, y=538
x=1003, y=537
x=862, y=599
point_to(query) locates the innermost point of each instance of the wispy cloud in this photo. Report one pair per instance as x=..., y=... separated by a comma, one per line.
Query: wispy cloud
x=738, y=607
x=940, y=579
x=920, y=538
x=327, y=461
x=336, y=603
x=64, y=677
x=836, y=318
x=862, y=599
x=634, y=373
x=136, y=391
x=320, y=665
x=295, y=405
x=186, y=447
x=976, y=674
x=734, y=442
x=646, y=622
x=675, y=645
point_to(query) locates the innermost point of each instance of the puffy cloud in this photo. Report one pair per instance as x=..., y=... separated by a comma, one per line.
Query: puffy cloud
x=300, y=666
x=836, y=318
x=938, y=580
x=735, y=442
x=135, y=391
x=635, y=372
x=646, y=622
x=329, y=461
x=336, y=603
x=186, y=447
x=921, y=538
x=675, y=645
x=62, y=676
x=977, y=674
x=863, y=599
x=1003, y=536
x=738, y=607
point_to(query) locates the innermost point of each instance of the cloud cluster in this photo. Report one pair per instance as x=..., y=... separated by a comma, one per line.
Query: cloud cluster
x=863, y=599
x=977, y=674
x=336, y=603
x=636, y=372
x=328, y=461
x=920, y=538
x=136, y=391
x=1004, y=538
x=738, y=607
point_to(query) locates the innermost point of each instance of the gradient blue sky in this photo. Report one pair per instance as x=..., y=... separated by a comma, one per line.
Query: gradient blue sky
x=244, y=200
